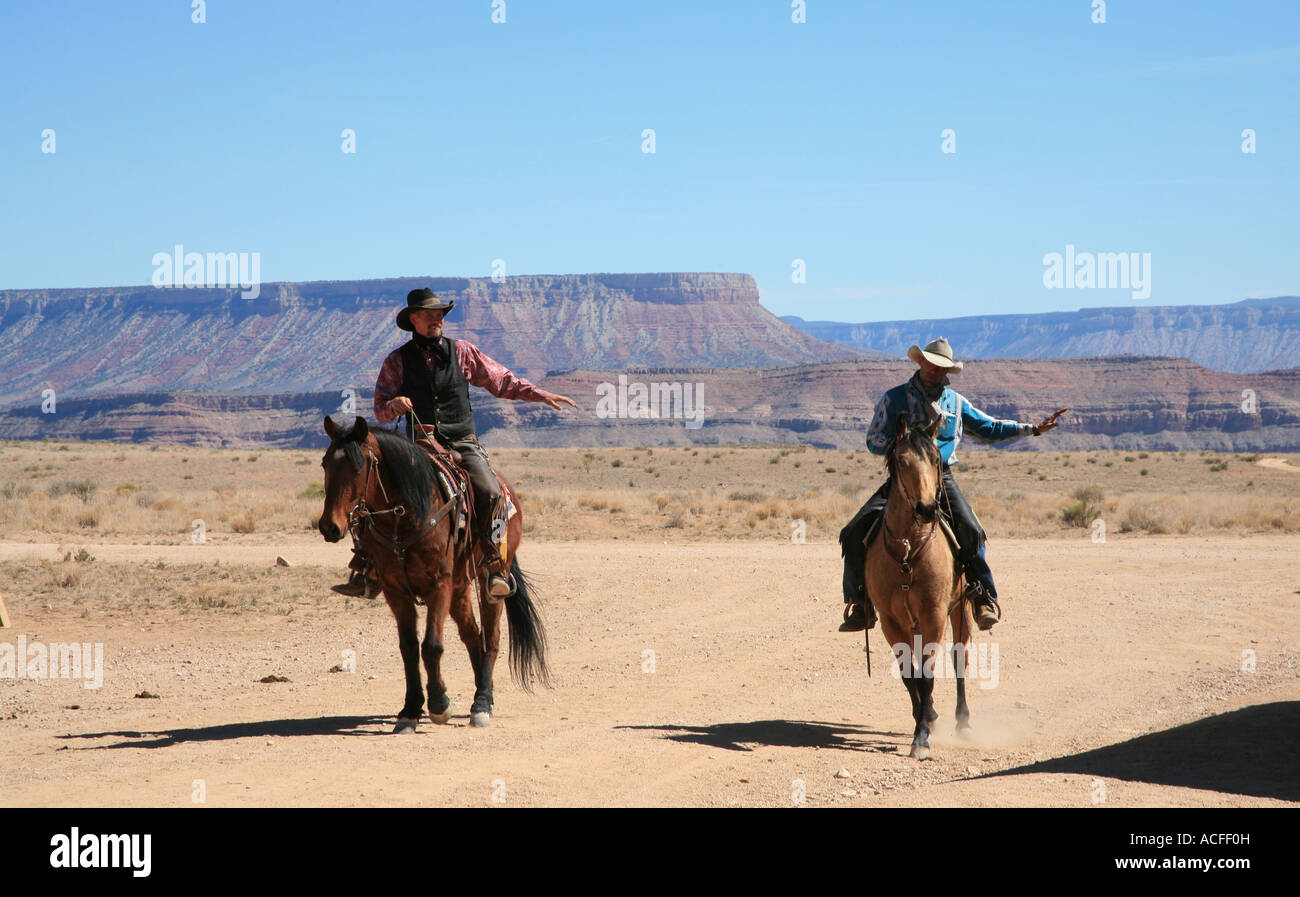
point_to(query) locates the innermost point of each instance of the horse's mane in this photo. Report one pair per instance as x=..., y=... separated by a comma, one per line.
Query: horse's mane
x=409, y=468
x=919, y=442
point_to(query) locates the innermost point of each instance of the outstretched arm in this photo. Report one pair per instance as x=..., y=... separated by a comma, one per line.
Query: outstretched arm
x=496, y=378
x=984, y=428
x=988, y=429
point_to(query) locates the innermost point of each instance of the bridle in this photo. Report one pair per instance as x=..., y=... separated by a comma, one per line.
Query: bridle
x=911, y=553
x=361, y=519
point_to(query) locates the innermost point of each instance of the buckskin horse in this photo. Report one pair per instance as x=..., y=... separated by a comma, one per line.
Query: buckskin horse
x=915, y=582
x=384, y=489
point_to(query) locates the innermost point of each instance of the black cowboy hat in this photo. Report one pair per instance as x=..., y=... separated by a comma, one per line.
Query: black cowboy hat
x=419, y=300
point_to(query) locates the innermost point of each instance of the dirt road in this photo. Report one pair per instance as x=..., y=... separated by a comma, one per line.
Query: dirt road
x=701, y=674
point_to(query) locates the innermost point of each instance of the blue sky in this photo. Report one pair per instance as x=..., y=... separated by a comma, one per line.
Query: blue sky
x=775, y=141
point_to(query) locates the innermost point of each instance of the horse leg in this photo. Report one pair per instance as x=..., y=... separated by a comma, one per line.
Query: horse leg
x=439, y=702
x=960, y=657
x=903, y=650
x=491, y=614
x=931, y=651
x=403, y=608
x=462, y=611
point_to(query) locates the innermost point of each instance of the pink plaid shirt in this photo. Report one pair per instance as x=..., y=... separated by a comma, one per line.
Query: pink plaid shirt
x=479, y=370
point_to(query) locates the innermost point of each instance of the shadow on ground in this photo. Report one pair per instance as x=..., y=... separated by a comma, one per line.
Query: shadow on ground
x=321, y=725
x=1248, y=751
x=779, y=733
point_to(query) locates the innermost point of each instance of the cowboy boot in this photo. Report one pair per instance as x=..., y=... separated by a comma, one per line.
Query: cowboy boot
x=987, y=611
x=501, y=583
x=361, y=580
x=859, y=614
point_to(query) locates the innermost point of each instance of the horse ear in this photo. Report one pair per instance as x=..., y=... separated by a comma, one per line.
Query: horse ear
x=900, y=427
x=360, y=429
x=933, y=430
x=331, y=428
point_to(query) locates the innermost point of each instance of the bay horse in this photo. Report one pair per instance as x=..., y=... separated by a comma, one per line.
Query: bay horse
x=914, y=581
x=383, y=488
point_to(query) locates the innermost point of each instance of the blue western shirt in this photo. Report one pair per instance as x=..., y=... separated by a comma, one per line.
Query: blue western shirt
x=957, y=412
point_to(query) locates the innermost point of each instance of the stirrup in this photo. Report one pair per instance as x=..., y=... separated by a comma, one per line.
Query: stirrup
x=868, y=620
x=987, y=612
x=500, y=587
x=359, y=585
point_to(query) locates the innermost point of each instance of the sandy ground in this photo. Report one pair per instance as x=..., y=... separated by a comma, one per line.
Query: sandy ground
x=688, y=674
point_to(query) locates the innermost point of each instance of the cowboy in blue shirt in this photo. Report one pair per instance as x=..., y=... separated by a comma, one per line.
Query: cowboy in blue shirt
x=923, y=399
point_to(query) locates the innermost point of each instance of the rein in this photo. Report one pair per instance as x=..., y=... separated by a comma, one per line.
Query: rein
x=911, y=553
x=361, y=520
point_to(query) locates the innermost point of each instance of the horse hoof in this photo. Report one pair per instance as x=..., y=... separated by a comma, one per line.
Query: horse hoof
x=405, y=726
x=963, y=731
x=440, y=718
x=480, y=719
x=920, y=753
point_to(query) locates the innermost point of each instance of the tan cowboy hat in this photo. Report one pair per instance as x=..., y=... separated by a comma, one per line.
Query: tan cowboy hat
x=417, y=300
x=937, y=352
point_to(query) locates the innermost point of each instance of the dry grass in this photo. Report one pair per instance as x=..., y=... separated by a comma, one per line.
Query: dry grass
x=135, y=589
x=132, y=493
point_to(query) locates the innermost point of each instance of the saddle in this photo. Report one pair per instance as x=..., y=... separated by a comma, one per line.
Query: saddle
x=454, y=482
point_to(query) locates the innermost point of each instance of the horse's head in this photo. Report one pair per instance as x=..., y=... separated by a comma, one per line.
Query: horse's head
x=345, y=465
x=915, y=466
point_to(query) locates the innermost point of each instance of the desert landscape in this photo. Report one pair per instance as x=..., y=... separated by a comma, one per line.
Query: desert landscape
x=1148, y=654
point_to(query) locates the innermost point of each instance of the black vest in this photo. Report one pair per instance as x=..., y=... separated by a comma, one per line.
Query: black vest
x=440, y=398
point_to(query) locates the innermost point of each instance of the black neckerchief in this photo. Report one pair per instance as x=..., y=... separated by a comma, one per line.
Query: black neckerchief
x=931, y=395
x=433, y=346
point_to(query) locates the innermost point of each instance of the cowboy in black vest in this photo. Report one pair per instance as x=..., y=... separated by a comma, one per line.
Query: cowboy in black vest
x=431, y=376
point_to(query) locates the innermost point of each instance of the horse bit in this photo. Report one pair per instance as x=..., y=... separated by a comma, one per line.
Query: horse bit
x=909, y=556
x=362, y=517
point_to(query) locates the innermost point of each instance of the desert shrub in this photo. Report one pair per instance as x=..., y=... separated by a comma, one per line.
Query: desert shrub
x=11, y=491
x=315, y=489
x=245, y=524
x=65, y=576
x=1085, y=507
x=1143, y=518
x=83, y=489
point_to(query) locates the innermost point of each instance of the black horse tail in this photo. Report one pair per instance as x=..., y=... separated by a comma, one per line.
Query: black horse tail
x=527, y=634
